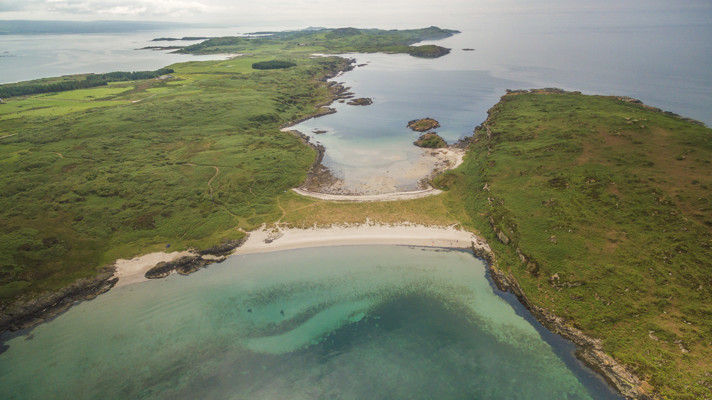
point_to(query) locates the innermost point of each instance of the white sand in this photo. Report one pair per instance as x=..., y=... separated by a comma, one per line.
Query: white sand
x=404, y=234
x=275, y=239
x=416, y=194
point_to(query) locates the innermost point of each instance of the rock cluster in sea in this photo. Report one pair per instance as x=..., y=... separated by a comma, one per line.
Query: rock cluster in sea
x=423, y=124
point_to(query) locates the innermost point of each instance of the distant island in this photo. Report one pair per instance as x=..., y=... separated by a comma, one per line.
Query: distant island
x=186, y=38
x=333, y=41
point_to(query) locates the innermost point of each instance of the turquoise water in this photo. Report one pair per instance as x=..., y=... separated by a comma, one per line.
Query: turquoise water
x=370, y=148
x=348, y=322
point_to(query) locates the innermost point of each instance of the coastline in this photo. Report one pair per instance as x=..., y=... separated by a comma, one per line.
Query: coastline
x=269, y=239
x=590, y=350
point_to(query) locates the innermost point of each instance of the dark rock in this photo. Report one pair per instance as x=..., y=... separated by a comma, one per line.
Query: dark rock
x=224, y=248
x=160, y=270
x=363, y=101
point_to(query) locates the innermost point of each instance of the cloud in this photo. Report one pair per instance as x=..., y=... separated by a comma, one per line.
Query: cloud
x=110, y=8
x=15, y=5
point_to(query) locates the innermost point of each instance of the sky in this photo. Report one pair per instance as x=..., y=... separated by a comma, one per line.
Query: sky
x=362, y=13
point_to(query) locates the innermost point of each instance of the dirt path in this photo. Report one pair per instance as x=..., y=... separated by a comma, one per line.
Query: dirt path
x=7, y=136
x=284, y=213
x=217, y=171
x=145, y=98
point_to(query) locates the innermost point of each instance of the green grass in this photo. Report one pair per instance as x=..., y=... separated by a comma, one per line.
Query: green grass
x=430, y=140
x=97, y=174
x=610, y=204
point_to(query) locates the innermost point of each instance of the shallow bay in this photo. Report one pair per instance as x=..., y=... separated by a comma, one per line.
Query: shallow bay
x=348, y=322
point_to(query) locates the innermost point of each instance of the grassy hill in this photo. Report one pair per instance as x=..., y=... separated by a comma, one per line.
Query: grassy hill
x=331, y=41
x=600, y=208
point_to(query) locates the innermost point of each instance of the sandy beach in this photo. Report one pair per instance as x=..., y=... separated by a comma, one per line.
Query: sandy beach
x=270, y=239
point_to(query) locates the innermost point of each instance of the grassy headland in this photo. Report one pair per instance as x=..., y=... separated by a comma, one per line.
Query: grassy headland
x=600, y=208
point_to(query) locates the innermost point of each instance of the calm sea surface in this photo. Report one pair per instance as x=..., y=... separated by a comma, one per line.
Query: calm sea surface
x=25, y=57
x=662, y=61
x=660, y=57
x=350, y=322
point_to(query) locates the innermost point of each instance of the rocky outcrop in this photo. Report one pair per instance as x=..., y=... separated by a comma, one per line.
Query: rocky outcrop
x=363, y=101
x=669, y=113
x=589, y=350
x=430, y=140
x=189, y=264
x=423, y=124
x=27, y=313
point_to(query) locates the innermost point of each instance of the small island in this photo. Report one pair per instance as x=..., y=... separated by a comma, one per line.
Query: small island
x=423, y=125
x=363, y=101
x=187, y=38
x=430, y=140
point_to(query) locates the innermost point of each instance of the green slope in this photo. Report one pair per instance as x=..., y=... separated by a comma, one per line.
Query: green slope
x=604, y=206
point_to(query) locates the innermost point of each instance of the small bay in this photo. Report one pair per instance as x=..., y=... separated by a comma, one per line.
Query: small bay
x=347, y=322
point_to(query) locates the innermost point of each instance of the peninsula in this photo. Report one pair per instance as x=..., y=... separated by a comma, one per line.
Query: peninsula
x=593, y=210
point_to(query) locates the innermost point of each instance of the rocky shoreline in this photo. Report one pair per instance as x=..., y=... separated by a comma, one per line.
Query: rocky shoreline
x=24, y=314
x=589, y=350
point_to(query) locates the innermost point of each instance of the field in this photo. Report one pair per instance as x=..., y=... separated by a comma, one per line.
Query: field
x=601, y=210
